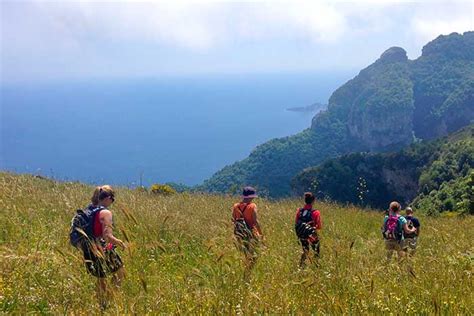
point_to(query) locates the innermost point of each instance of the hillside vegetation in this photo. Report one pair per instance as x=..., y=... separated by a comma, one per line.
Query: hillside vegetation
x=387, y=106
x=434, y=175
x=181, y=258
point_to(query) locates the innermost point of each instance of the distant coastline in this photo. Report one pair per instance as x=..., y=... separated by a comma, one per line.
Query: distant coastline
x=315, y=107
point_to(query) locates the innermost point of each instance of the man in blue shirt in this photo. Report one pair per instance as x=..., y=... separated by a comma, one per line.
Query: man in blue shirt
x=411, y=238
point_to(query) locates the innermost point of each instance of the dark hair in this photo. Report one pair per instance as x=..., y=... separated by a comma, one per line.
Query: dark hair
x=309, y=198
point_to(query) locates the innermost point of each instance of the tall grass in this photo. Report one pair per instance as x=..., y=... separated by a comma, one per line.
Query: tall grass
x=181, y=258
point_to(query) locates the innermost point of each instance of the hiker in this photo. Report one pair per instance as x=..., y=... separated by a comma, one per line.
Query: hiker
x=247, y=231
x=98, y=247
x=412, y=238
x=307, y=224
x=394, y=229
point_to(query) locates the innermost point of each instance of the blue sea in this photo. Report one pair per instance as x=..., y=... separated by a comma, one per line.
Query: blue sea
x=131, y=132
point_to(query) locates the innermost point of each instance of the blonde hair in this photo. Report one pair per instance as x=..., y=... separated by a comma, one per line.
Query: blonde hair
x=95, y=196
x=105, y=191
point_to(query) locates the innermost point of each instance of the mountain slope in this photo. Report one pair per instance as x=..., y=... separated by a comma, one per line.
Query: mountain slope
x=385, y=107
x=432, y=174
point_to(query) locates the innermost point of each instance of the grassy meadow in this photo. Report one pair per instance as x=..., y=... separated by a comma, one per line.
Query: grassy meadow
x=181, y=258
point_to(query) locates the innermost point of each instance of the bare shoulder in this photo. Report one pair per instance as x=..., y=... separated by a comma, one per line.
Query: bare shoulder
x=105, y=213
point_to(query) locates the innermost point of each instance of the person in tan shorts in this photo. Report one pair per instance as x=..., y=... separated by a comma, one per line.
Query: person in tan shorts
x=411, y=240
x=394, y=228
x=247, y=230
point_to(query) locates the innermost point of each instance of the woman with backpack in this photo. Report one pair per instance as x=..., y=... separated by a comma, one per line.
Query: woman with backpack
x=394, y=228
x=307, y=224
x=99, y=252
x=247, y=230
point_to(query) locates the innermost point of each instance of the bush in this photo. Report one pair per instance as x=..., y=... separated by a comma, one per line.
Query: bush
x=162, y=189
x=141, y=189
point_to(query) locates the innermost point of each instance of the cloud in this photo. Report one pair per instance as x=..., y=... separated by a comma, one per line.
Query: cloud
x=186, y=25
x=319, y=22
x=83, y=38
x=193, y=25
x=443, y=19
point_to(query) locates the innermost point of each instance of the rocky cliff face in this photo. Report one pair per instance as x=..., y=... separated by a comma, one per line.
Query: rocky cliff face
x=381, y=115
x=377, y=105
x=383, y=108
x=402, y=182
x=395, y=99
x=443, y=86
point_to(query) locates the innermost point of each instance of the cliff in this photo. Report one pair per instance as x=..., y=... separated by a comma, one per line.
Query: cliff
x=429, y=174
x=387, y=106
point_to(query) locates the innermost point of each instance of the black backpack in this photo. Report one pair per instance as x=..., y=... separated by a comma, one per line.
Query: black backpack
x=303, y=227
x=241, y=228
x=82, y=225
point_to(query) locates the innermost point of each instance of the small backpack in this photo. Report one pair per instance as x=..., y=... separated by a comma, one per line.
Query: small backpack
x=303, y=227
x=82, y=225
x=392, y=228
x=410, y=225
x=241, y=228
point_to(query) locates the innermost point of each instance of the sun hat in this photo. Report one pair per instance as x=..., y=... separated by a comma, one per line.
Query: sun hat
x=249, y=193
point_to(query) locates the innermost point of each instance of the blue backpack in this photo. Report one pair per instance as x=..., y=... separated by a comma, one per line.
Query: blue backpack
x=82, y=225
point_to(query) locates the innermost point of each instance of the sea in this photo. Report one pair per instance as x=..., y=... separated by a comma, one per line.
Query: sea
x=133, y=132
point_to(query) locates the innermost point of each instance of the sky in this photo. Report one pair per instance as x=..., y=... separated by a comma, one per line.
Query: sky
x=44, y=41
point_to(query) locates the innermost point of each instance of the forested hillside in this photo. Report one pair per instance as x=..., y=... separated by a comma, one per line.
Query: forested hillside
x=387, y=106
x=436, y=176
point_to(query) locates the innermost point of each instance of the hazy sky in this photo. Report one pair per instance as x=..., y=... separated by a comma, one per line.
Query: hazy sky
x=61, y=40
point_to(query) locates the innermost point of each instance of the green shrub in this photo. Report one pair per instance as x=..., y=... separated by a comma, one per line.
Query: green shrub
x=162, y=189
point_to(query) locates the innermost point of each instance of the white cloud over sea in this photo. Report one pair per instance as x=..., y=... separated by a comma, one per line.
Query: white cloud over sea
x=42, y=40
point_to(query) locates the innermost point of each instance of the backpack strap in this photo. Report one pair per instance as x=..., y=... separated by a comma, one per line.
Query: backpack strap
x=301, y=209
x=95, y=218
x=242, y=211
x=400, y=227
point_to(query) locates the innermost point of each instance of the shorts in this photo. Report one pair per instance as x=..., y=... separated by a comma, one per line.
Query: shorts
x=410, y=243
x=394, y=245
x=306, y=243
x=101, y=262
x=248, y=245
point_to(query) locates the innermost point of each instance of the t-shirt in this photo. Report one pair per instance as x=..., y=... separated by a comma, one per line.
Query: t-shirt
x=315, y=217
x=245, y=210
x=401, y=219
x=97, y=228
x=412, y=221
